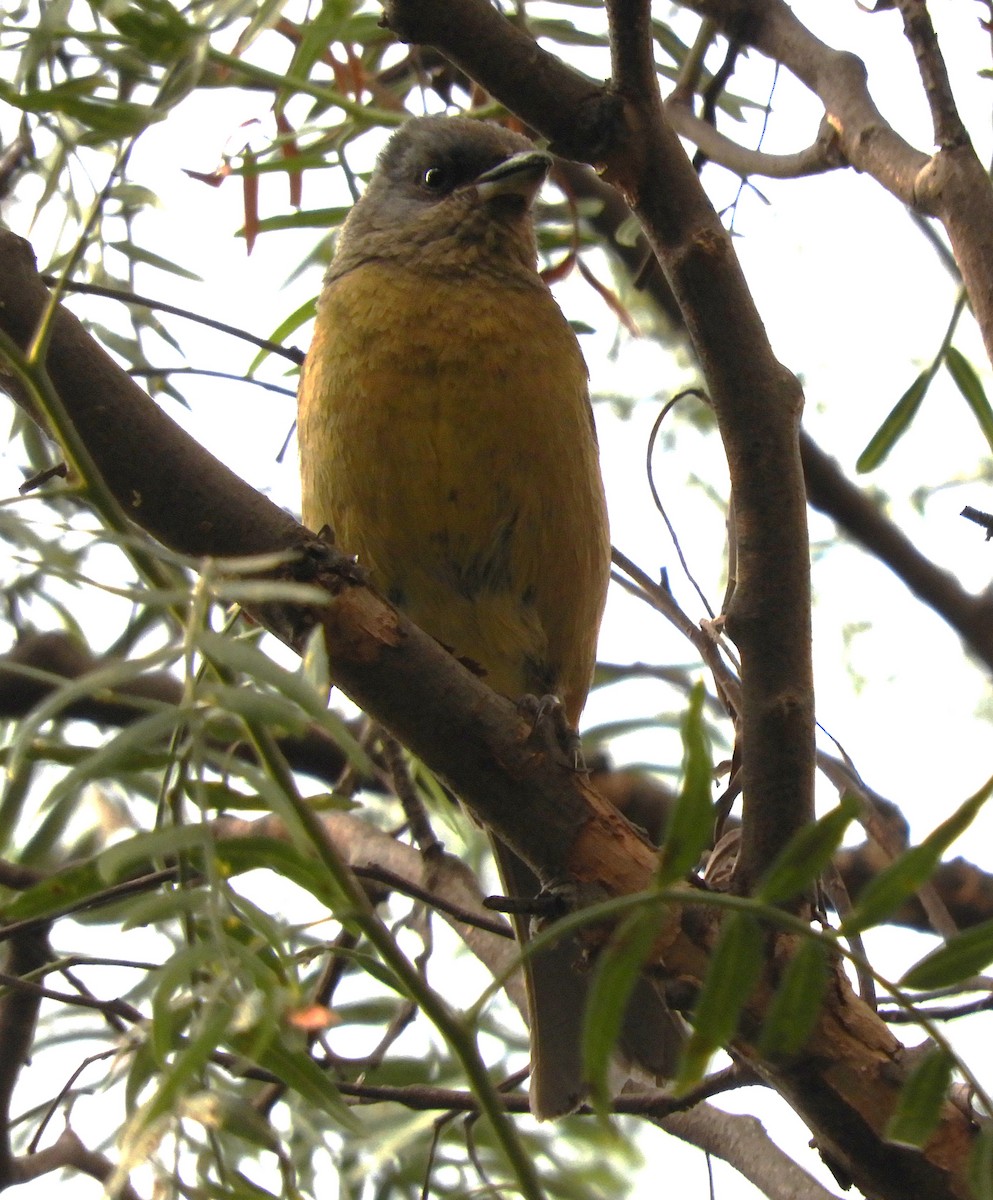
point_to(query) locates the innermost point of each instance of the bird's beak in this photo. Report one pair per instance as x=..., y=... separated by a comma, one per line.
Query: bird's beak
x=521, y=175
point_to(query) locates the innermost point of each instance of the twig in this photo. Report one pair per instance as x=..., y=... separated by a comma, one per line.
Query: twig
x=949, y=131
x=93, y=289
x=980, y=518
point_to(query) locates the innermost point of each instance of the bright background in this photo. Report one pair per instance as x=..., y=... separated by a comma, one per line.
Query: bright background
x=855, y=302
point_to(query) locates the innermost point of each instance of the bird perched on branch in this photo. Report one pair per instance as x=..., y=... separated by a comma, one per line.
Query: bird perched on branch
x=446, y=437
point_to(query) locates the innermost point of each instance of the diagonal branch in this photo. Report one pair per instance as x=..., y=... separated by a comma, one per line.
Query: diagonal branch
x=949, y=131
x=952, y=184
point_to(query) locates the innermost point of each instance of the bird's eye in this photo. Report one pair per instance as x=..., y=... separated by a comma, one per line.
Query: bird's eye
x=435, y=178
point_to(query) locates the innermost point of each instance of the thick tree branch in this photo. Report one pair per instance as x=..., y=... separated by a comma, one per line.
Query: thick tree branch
x=27, y=952
x=743, y=1142
x=757, y=403
x=68, y=1153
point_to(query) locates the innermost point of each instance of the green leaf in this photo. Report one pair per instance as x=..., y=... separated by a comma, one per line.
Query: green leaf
x=314, y=663
x=617, y=971
x=136, y=747
x=144, y=1070
x=68, y=692
x=893, y=885
x=921, y=1098
x=896, y=424
x=237, y=855
x=691, y=826
x=306, y=312
x=315, y=36
x=155, y=28
x=299, y=1071
x=325, y=219
x=143, y=849
x=153, y=910
x=734, y=970
x=565, y=32
x=981, y=1164
x=968, y=383
x=965, y=954
x=808, y=853
x=111, y=118
x=234, y=1115
x=138, y=254
x=187, y=1063
x=248, y=659
x=797, y=1002
x=59, y=893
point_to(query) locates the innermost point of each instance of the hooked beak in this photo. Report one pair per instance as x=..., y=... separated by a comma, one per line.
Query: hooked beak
x=520, y=175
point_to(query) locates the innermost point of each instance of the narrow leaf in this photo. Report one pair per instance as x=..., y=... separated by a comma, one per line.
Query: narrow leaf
x=807, y=854
x=618, y=970
x=140, y=254
x=893, y=885
x=921, y=1098
x=134, y=748
x=237, y=855
x=966, y=954
x=187, y=1063
x=58, y=893
x=299, y=1071
x=896, y=424
x=691, y=825
x=797, y=1002
x=734, y=970
x=981, y=1165
x=969, y=384
x=250, y=660
x=141, y=849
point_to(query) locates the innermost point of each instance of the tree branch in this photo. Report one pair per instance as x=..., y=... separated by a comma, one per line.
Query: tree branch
x=820, y=156
x=26, y=952
x=949, y=131
x=757, y=403
x=829, y=490
x=952, y=185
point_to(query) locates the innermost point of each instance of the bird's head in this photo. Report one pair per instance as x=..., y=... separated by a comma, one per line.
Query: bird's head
x=448, y=192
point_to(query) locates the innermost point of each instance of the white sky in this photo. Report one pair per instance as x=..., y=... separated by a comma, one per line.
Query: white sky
x=854, y=301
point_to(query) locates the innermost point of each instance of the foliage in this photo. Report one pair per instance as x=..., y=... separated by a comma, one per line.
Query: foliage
x=227, y=1010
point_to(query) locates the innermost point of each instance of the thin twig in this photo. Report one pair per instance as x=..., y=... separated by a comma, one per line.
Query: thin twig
x=93, y=289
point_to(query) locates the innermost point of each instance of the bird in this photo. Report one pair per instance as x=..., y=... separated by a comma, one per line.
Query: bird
x=447, y=439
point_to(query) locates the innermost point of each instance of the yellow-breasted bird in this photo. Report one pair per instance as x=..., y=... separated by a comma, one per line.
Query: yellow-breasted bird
x=446, y=437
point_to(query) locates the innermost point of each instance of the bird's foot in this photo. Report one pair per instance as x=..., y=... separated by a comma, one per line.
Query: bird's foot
x=320, y=560
x=550, y=727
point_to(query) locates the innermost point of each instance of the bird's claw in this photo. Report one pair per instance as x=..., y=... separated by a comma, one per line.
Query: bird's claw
x=550, y=727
